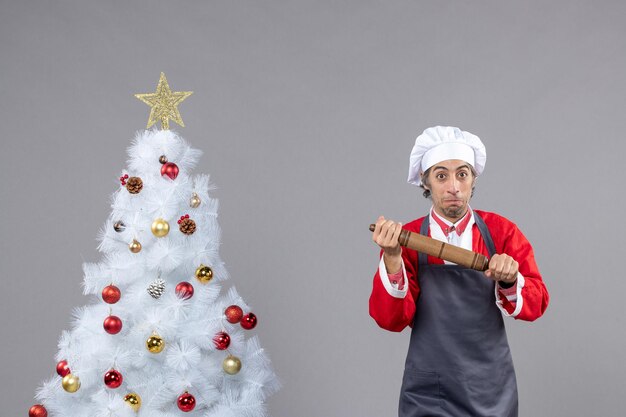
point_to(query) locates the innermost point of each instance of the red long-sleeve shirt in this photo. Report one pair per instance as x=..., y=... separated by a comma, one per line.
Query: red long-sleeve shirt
x=393, y=308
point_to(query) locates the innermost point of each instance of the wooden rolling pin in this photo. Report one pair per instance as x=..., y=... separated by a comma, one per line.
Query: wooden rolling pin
x=441, y=250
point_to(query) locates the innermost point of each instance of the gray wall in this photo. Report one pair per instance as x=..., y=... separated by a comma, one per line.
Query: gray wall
x=306, y=112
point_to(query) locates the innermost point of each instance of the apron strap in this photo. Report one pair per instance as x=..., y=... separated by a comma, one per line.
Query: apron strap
x=422, y=257
x=482, y=227
x=484, y=231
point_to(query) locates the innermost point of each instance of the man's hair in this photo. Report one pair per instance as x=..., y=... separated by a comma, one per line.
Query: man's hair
x=426, y=181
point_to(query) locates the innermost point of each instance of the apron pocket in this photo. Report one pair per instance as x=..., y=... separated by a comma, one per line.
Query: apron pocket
x=420, y=393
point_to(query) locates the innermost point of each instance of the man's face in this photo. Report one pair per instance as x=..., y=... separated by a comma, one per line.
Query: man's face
x=450, y=183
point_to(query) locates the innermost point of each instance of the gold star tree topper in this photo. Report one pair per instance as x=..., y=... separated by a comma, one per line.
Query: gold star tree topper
x=164, y=104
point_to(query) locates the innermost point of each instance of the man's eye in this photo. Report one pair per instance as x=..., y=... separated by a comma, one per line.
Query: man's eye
x=462, y=174
x=440, y=176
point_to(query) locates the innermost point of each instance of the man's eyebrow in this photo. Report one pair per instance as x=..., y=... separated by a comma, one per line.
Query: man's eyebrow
x=444, y=168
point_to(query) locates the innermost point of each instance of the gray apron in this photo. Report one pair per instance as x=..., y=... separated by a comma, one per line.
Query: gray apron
x=459, y=363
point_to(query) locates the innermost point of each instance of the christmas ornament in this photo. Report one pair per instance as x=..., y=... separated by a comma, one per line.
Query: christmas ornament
x=204, y=274
x=134, y=185
x=231, y=365
x=164, y=104
x=155, y=343
x=162, y=159
x=112, y=325
x=63, y=368
x=156, y=288
x=186, y=402
x=160, y=227
x=134, y=401
x=248, y=321
x=184, y=290
x=111, y=294
x=195, y=201
x=221, y=341
x=38, y=410
x=113, y=379
x=70, y=383
x=170, y=169
x=233, y=314
x=186, y=225
x=135, y=246
x=119, y=226
x=123, y=179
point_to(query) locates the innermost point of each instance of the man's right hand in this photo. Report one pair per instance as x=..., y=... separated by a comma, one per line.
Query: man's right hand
x=386, y=236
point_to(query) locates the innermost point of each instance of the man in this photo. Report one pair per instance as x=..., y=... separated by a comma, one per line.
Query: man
x=458, y=363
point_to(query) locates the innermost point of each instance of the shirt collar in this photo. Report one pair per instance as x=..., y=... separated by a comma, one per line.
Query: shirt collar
x=447, y=226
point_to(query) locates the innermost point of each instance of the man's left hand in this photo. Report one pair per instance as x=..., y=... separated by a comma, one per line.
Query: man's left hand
x=503, y=268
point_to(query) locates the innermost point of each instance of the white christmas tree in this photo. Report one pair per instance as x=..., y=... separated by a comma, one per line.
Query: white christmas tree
x=160, y=338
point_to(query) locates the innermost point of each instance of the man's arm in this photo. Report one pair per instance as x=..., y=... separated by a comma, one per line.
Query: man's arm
x=393, y=307
x=531, y=296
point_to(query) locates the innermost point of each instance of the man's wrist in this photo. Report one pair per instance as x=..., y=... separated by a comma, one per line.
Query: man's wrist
x=393, y=263
x=504, y=284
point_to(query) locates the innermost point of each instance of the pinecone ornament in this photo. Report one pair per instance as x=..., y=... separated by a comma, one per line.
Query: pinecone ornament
x=186, y=225
x=156, y=288
x=134, y=185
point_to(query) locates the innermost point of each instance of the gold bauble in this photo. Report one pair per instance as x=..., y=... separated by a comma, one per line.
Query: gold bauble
x=134, y=401
x=70, y=383
x=204, y=274
x=135, y=246
x=231, y=365
x=160, y=227
x=155, y=343
x=195, y=201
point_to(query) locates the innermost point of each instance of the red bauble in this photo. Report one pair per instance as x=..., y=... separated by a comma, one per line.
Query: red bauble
x=184, y=290
x=111, y=294
x=186, y=402
x=113, y=379
x=248, y=321
x=221, y=341
x=170, y=169
x=233, y=314
x=37, y=410
x=112, y=325
x=63, y=368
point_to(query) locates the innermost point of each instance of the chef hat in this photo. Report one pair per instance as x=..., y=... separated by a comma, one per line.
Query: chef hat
x=441, y=143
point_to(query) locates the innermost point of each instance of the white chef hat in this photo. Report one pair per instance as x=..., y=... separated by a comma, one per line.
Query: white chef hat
x=441, y=143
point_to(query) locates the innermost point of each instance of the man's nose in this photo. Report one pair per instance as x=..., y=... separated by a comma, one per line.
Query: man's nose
x=453, y=186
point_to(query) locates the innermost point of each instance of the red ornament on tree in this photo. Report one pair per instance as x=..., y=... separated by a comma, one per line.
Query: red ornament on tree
x=221, y=341
x=38, y=410
x=112, y=325
x=113, y=379
x=248, y=321
x=186, y=402
x=63, y=368
x=170, y=169
x=184, y=290
x=111, y=294
x=233, y=314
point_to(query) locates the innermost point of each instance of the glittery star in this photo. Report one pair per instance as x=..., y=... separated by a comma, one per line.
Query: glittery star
x=164, y=104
